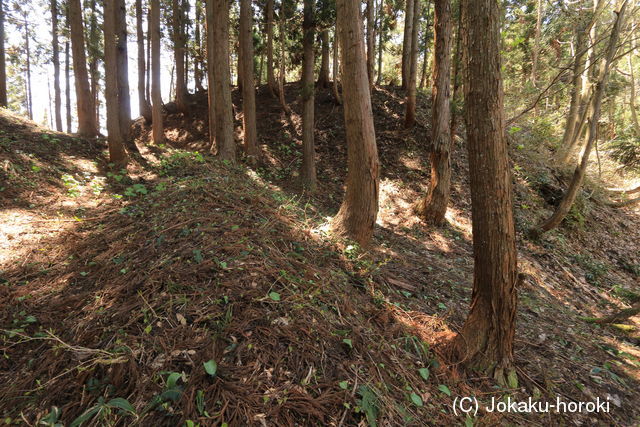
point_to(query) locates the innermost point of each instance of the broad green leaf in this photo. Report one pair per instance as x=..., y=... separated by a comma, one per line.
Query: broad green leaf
x=417, y=400
x=211, y=367
x=443, y=388
x=424, y=373
x=343, y=385
x=121, y=403
x=274, y=296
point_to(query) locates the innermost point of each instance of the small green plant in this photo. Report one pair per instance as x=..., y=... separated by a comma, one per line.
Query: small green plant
x=178, y=163
x=368, y=404
x=135, y=190
x=103, y=411
x=72, y=184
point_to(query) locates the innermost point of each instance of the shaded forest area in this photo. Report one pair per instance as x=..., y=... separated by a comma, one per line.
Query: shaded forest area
x=349, y=213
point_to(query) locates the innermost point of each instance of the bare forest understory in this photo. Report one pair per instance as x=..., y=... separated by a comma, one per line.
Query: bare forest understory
x=125, y=285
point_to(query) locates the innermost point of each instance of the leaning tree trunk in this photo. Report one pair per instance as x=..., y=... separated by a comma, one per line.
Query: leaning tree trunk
x=3, y=66
x=406, y=44
x=410, y=112
x=434, y=206
x=323, y=78
x=308, y=169
x=357, y=215
x=156, y=95
x=143, y=101
x=485, y=342
x=117, y=155
x=179, y=50
x=579, y=173
x=55, y=46
x=86, y=112
x=218, y=15
x=271, y=77
x=248, y=82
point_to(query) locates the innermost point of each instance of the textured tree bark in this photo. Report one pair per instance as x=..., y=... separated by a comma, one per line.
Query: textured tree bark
x=596, y=104
x=86, y=112
x=336, y=65
x=434, y=206
x=117, y=155
x=3, y=65
x=25, y=25
x=308, y=168
x=357, y=215
x=457, y=60
x=179, y=51
x=219, y=11
x=156, y=95
x=485, y=342
x=143, y=101
x=271, y=77
x=248, y=87
x=122, y=60
x=282, y=65
x=67, y=80
x=410, y=112
x=371, y=41
x=55, y=45
x=94, y=54
x=406, y=44
x=197, y=60
x=380, y=41
x=425, y=55
x=210, y=75
x=323, y=78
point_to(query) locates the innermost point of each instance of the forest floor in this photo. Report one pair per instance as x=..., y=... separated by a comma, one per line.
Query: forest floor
x=117, y=289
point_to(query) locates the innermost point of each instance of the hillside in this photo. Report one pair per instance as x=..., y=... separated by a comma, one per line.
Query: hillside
x=123, y=286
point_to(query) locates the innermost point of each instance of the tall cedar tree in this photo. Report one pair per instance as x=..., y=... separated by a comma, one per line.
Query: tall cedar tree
x=406, y=44
x=55, y=46
x=434, y=206
x=308, y=171
x=371, y=40
x=485, y=341
x=323, y=77
x=86, y=111
x=248, y=88
x=218, y=21
x=156, y=95
x=357, y=215
x=271, y=77
x=592, y=132
x=179, y=52
x=124, y=98
x=117, y=155
x=410, y=112
x=3, y=67
x=143, y=101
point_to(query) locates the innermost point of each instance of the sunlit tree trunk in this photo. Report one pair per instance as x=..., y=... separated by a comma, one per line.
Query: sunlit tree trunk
x=122, y=61
x=179, y=50
x=357, y=215
x=25, y=25
x=434, y=206
x=271, y=77
x=406, y=44
x=211, y=88
x=55, y=46
x=371, y=41
x=380, y=41
x=197, y=61
x=84, y=101
x=67, y=86
x=3, y=66
x=536, y=45
x=336, y=65
x=485, y=342
x=282, y=64
x=156, y=95
x=323, y=78
x=308, y=169
x=143, y=101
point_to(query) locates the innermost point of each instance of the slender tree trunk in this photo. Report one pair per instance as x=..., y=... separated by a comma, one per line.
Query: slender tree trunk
x=380, y=41
x=197, y=61
x=67, y=86
x=3, y=66
x=248, y=87
x=178, y=46
x=93, y=53
x=323, y=78
x=25, y=23
x=156, y=95
x=271, y=77
x=282, y=64
x=143, y=101
x=434, y=206
x=485, y=342
x=425, y=56
x=308, y=170
x=536, y=46
x=122, y=61
x=357, y=215
x=211, y=87
x=218, y=10
x=578, y=175
x=410, y=112
x=336, y=65
x=86, y=112
x=55, y=45
x=406, y=45
x=371, y=41
x=457, y=60
x=117, y=155
x=148, y=75
x=632, y=90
